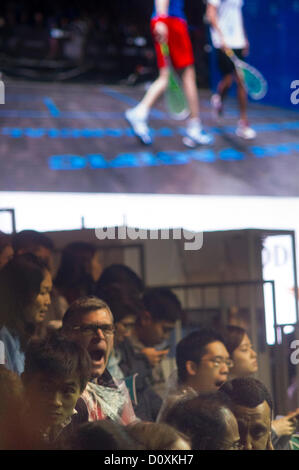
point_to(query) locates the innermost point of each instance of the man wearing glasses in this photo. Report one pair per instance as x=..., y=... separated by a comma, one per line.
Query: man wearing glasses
x=203, y=365
x=89, y=322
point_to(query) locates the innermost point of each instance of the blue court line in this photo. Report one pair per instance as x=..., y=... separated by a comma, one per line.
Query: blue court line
x=54, y=111
x=105, y=115
x=89, y=133
x=168, y=157
x=119, y=96
x=63, y=114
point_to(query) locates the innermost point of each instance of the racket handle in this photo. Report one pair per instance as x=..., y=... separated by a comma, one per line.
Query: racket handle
x=229, y=52
x=165, y=49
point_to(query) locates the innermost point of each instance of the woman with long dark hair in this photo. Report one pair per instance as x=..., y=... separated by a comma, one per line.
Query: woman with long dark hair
x=25, y=286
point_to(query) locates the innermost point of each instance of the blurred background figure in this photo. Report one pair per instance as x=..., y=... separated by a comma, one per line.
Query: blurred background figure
x=102, y=435
x=25, y=287
x=208, y=421
x=151, y=335
x=11, y=407
x=79, y=270
x=31, y=241
x=6, y=249
x=120, y=274
x=158, y=436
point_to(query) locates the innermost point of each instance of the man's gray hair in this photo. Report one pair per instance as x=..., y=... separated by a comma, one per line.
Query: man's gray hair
x=82, y=306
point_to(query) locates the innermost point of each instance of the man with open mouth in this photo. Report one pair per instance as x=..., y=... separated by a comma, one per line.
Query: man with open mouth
x=203, y=364
x=89, y=321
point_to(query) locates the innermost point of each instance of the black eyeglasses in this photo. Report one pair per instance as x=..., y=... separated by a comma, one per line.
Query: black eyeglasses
x=218, y=361
x=92, y=329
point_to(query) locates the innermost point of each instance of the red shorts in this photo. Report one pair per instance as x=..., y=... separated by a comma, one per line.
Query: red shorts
x=179, y=43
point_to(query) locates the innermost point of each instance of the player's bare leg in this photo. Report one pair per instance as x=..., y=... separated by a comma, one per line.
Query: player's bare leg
x=243, y=130
x=194, y=132
x=217, y=99
x=137, y=117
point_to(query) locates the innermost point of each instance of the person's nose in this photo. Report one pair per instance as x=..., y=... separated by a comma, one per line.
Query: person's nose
x=253, y=354
x=48, y=299
x=246, y=441
x=99, y=334
x=224, y=369
x=55, y=399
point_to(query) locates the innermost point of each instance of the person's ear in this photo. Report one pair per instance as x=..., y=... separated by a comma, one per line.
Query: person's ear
x=191, y=368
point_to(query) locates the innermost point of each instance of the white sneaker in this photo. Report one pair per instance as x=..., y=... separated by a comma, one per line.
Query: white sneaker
x=139, y=126
x=217, y=106
x=198, y=135
x=245, y=132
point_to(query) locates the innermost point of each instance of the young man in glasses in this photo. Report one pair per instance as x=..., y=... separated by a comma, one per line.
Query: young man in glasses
x=89, y=322
x=203, y=365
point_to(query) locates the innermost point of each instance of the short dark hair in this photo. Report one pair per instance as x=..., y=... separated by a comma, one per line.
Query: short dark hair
x=30, y=239
x=247, y=391
x=73, y=272
x=155, y=436
x=202, y=419
x=101, y=435
x=233, y=336
x=192, y=347
x=82, y=306
x=57, y=356
x=162, y=304
x=120, y=274
x=121, y=300
x=5, y=240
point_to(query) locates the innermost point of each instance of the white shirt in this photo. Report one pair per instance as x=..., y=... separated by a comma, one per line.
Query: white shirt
x=230, y=22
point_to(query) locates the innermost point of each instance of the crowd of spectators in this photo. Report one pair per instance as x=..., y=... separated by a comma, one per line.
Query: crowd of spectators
x=111, y=37
x=82, y=362
x=106, y=35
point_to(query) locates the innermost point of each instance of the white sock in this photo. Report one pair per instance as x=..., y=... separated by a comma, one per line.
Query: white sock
x=194, y=122
x=141, y=111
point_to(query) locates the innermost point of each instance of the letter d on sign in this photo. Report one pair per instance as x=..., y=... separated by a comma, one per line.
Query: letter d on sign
x=2, y=353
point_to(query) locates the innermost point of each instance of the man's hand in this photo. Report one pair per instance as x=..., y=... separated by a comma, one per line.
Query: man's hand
x=285, y=426
x=161, y=32
x=153, y=356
